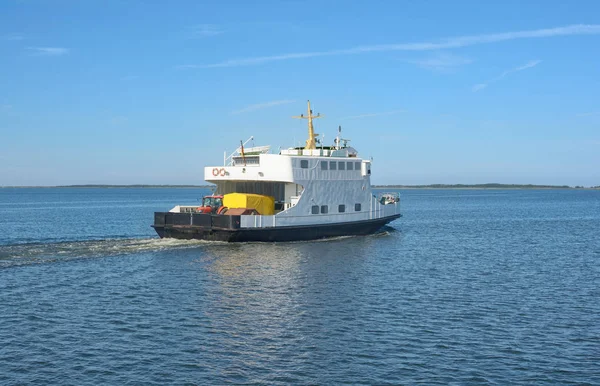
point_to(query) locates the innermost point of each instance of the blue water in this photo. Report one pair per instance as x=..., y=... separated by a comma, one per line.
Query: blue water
x=469, y=287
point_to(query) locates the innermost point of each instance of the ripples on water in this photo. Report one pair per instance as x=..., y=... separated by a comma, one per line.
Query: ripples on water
x=469, y=287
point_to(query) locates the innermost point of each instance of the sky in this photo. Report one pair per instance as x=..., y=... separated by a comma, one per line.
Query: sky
x=150, y=92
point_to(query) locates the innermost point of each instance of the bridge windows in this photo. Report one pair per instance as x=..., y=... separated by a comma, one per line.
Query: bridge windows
x=341, y=208
x=332, y=165
x=315, y=209
x=357, y=207
x=336, y=165
x=324, y=209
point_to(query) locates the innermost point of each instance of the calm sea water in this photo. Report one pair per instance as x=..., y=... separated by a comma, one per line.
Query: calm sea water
x=469, y=287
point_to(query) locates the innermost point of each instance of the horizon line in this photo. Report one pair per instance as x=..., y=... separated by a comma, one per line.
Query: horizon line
x=144, y=186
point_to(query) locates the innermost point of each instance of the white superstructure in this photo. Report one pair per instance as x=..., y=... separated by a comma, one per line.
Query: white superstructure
x=311, y=185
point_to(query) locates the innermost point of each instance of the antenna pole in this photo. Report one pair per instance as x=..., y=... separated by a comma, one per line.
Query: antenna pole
x=242, y=149
x=310, y=142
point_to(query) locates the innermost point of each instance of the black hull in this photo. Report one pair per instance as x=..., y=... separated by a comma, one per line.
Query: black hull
x=289, y=233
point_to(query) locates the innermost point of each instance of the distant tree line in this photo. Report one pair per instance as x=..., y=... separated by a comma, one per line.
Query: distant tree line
x=480, y=186
x=134, y=186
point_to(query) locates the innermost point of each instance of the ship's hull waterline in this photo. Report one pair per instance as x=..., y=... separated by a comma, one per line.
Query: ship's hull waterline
x=270, y=234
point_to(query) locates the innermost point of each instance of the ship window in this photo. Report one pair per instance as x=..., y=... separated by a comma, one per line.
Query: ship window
x=357, y=166
x=342, y=208
x=315, y=209
x=332, y=165
x=350, y=165
x=324, y=209
x=304, y=164
x=357, y=207
x=323, y=165
x=341, y=165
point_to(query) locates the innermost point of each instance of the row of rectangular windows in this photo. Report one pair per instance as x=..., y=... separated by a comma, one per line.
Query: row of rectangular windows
x=334, y=165
x=325, y=209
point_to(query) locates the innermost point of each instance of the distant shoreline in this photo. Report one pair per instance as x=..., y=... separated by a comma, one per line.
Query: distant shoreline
x=482, y=186
x=432, y=186
x=112, y=186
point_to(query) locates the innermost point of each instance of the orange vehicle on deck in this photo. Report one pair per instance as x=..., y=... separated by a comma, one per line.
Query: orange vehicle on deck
x=211, y=204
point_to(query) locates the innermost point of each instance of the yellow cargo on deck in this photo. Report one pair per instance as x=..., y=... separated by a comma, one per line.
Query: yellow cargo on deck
x=263, y=204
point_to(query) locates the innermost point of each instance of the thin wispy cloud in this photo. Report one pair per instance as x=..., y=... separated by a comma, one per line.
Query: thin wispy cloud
x=530, y=64
x=48, y=51
x=370, y=115
x=479, y=87
x=442, y=44
x=251, y=61
x=205, y=30
x=588, y=114
x=441, y=62
x=118, y=120
x=260, y=106
x=187, y=66
x=13, y=37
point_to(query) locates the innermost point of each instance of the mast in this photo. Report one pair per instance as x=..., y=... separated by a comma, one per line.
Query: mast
x=311, y=141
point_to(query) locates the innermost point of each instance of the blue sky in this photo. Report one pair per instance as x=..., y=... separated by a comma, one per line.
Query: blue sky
x=131, y=91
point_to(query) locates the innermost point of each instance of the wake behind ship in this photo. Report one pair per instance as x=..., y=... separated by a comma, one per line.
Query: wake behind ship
x=299, y=194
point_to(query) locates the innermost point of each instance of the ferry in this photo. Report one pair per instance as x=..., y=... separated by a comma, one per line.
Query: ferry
x=301, y=193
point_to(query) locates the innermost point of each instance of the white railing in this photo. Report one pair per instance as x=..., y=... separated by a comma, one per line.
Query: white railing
x=237, y=151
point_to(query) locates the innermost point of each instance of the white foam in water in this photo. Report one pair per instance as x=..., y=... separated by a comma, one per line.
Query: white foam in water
x=21, y=254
